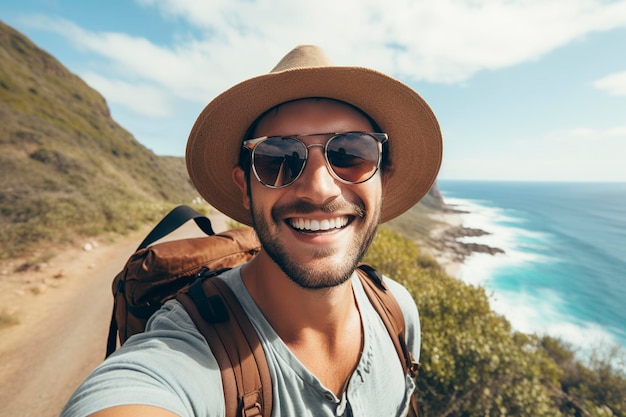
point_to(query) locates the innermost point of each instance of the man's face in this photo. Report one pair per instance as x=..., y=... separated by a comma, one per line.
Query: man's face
x=316, y=229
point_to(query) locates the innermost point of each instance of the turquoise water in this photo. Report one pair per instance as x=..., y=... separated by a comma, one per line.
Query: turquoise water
x=564, y=268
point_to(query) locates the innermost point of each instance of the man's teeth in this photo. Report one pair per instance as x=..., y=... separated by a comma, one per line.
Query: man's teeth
x=315, y=225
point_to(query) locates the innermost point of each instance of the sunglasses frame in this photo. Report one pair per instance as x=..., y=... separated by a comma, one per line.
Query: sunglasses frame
x=251, y=144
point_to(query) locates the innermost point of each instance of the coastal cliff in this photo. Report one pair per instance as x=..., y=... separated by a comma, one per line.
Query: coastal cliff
x=437, y=227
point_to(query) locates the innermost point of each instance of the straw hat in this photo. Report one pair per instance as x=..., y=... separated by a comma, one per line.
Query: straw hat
x=415, y=143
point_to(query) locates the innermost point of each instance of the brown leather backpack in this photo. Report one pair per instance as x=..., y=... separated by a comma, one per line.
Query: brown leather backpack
x=184, y=269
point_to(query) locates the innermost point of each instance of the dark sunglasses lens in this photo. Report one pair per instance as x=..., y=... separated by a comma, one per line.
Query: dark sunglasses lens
x=353, y=156
x=279, y=161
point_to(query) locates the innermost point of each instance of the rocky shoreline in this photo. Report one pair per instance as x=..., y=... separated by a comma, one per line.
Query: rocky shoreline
x=450, y=238
x=445, y=244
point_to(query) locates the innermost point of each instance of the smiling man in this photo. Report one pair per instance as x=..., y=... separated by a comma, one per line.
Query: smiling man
x=293, y=220
x=314, y=157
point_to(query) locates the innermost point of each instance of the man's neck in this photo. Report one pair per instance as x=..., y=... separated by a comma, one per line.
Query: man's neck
x=321, y=327
x=291, y=308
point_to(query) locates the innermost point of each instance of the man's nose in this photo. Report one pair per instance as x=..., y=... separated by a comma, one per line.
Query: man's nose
x=316, y=183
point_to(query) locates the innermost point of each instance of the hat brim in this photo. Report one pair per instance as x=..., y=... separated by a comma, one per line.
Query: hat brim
x=415, y=143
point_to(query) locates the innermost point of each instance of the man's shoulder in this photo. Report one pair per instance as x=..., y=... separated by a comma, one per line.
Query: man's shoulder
x=171, y=316
x=154, y=368
x=401, y=293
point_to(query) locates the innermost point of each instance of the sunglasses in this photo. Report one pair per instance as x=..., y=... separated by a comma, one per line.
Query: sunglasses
x=351, y=157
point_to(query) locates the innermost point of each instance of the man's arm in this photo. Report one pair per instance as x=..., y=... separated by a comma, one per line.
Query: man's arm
x=134, y=410
x=166, y=371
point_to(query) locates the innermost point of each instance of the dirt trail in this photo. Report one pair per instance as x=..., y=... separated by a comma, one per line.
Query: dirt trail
x=64, y=312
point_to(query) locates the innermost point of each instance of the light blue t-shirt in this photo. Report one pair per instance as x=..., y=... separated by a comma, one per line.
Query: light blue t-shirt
x=171, y=366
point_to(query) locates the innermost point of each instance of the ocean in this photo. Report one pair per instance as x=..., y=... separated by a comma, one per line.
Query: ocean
x=563, y=272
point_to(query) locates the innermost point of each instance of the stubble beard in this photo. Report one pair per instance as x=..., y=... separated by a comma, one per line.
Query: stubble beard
x=324, y=275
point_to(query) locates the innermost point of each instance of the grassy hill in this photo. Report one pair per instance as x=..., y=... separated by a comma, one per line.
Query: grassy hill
x=67, y=169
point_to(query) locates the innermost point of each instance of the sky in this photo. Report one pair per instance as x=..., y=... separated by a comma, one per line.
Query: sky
x=524, y=90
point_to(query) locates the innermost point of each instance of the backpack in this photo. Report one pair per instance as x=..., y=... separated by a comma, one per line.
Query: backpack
x=183, y=269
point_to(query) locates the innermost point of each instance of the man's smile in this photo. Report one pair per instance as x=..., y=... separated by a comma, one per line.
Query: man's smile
x=314, y=225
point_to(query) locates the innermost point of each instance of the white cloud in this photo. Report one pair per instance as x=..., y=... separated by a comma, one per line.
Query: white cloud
x=590, y=134
x=190, y=71
x=618, y=132
x=575, y=154
x=141, y=99
x=614, y=84
x=553, y=167
x=444, y=41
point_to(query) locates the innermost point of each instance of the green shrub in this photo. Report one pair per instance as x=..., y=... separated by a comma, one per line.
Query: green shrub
x=53, y=218
x=597, y=387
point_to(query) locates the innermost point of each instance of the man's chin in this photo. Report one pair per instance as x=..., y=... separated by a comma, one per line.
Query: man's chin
x=322, y=272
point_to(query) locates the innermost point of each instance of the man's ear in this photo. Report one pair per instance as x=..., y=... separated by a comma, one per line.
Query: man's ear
x=240, y=179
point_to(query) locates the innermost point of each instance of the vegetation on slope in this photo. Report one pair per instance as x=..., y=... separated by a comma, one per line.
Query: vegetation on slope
x=474, y=364
x=66, y=168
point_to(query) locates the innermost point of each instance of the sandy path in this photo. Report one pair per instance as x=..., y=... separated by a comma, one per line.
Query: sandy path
x=63, y=325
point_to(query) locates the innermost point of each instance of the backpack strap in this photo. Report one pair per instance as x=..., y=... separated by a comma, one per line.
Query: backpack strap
x=235, y=344
x=173, y=220
x=390, y=312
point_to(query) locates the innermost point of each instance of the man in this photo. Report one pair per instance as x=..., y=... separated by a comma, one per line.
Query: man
x=314, y=156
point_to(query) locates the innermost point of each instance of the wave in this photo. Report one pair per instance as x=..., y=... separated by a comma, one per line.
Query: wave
x=520, y=246
x=521, y=282
x=542, y=314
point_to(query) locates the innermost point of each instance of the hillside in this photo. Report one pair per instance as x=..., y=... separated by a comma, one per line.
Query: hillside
x=67, y=169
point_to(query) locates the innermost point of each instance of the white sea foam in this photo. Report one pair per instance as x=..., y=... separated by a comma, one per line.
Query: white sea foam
x=503, y=233
x=504, y=227
x=540, y=312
